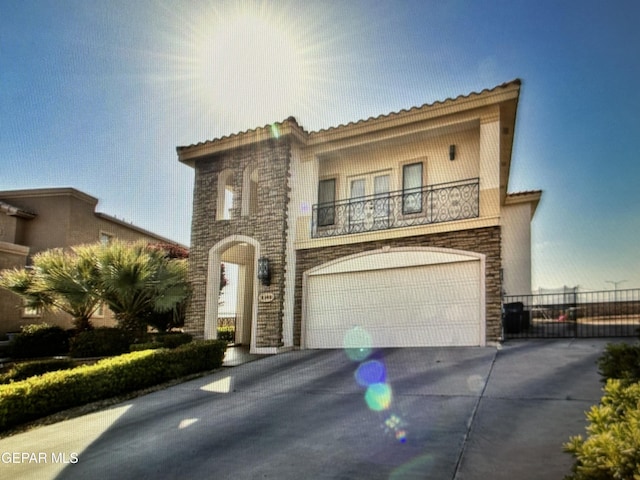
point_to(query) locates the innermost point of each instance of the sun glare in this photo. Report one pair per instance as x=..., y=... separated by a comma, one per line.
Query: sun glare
x=251, y=63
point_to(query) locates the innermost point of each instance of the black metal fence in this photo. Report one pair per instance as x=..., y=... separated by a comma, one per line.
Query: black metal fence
x=444, y=202
x=571, y=313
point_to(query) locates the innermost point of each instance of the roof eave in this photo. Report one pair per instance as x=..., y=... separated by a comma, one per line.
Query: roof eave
x=289, y=128
x=497, y=95
x=131, y=226
x=532, y=197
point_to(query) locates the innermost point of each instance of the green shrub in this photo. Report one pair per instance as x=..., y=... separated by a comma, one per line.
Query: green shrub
x=227, y=334
x=612, y=447
x=100, y=342
x=173, y=340
x=54, y=391
x=620, y=361
x=39, y=340
x=164, y=340
x=24, y=370
x=138, y=347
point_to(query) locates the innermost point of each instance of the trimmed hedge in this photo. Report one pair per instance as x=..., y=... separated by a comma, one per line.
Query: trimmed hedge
x=620, y=361
x=52, y=392
x=227, y=334
x=20, y=371
x=173, y=340
x=39, y=340
x=165, y=340
x=612, y=447
x=100, y=342
x=139, y=347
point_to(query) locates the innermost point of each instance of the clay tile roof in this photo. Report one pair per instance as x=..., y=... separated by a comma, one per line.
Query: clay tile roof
x=294, y=123
x=517, y=81
x=290, y=120
x=524, y=193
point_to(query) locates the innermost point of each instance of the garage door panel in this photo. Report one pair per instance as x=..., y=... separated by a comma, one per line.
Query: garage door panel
x=410, y=306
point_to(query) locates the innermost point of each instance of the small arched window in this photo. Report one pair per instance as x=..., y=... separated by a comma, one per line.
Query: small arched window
x=225, y=195
x=250, y=191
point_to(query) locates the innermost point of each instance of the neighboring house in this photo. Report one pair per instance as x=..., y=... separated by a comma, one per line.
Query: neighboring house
x=32, y=221
x=394, y=231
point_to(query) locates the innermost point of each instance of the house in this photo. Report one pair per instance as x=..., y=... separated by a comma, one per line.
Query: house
x=35, y=220
x=393, y=231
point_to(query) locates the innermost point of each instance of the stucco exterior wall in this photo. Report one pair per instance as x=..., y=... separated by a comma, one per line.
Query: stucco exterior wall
x=432, y=151
x=516, y=248
x=11, y=256
x=64, y=217
x=8, y=228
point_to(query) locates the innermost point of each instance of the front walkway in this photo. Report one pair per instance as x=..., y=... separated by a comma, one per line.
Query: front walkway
x=239, y=355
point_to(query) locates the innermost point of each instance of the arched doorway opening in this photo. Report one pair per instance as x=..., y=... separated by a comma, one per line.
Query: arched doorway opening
x=239, y=253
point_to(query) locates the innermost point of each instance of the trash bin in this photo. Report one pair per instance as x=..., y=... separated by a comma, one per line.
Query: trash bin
x=515, y=318
x=573, y=314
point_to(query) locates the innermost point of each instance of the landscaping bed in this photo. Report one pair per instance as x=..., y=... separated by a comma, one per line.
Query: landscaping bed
x=611, y=448
x=38, y=396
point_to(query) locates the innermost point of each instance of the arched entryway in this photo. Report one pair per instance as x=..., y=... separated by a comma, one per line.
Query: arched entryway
x=243, y=252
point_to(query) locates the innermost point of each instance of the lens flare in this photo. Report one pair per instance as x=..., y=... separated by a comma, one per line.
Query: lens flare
x=401, y=436
x=357, y=344
x=475, y=383
x=370, y=372
x=372, y=375
x=378, y=396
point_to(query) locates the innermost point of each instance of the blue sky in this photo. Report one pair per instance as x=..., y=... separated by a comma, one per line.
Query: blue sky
x=97, y=95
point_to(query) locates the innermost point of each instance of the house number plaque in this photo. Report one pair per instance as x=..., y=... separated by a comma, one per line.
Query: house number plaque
x=266, y=297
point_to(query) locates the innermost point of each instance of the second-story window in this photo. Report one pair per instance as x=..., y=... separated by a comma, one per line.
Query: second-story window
x=326, y=202
x=250, y=191
x=412, y=188
x=30, y=312
x=105, y=238
x=225, y=195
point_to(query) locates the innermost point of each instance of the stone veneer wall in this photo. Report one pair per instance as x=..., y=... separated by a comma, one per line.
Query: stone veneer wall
x=482, y=240
x=268, y=226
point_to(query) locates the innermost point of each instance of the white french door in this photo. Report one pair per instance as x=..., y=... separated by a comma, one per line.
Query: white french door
x=369, y=201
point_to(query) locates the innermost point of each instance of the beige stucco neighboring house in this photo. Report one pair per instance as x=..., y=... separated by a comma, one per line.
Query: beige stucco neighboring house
x=394, y=231
x=35, y=220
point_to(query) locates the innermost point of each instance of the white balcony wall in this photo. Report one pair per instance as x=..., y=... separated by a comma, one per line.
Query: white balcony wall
x=432, y=151
x=516, y=248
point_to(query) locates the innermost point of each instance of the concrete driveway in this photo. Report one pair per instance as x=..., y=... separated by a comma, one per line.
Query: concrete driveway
x=442, y=413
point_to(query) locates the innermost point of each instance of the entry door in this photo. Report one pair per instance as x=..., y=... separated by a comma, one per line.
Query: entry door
x=369, y=202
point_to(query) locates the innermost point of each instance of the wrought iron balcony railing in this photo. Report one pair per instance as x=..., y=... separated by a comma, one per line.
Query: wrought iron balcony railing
x=444, y=202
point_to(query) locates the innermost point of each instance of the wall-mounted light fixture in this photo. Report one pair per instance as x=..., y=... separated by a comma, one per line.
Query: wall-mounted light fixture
x=452, y=152
x=264, y=272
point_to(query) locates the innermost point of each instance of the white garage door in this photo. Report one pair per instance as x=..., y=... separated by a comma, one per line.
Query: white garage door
x=427, y=305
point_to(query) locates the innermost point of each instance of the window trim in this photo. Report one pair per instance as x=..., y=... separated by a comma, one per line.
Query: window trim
x=370, y=197
x=30, y=312
x=224, y=178
x=250, y=204
x=99, y=311
x=108, y=235
x=403, y=168
x=332, y=218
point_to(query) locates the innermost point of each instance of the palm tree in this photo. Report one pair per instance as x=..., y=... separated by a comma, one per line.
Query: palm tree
x=137, y=279
x=60, y=280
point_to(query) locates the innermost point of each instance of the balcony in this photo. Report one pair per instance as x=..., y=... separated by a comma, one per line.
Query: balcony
x=445, y=202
